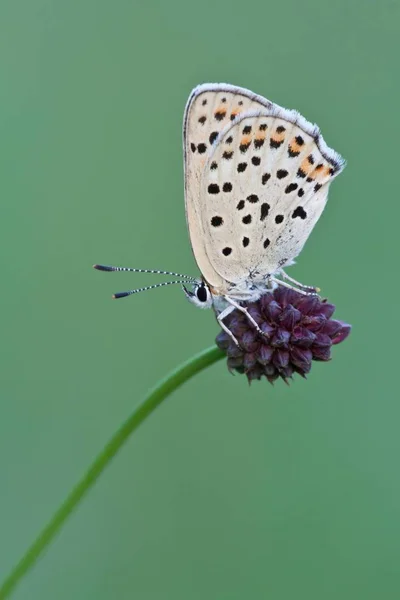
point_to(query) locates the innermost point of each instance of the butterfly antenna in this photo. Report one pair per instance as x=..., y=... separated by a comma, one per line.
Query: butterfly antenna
x=109, y=268
x=144, y=289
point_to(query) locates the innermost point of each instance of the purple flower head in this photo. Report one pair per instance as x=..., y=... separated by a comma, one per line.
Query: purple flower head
x=297, y=329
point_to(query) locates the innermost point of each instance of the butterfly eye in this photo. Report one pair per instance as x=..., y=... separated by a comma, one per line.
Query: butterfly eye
x=200, y=296
x=201, y=293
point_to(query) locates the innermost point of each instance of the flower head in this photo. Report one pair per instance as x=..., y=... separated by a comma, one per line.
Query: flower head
x=296, y=330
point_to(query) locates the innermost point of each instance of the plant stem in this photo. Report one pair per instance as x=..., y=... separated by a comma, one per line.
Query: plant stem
x=141, y=412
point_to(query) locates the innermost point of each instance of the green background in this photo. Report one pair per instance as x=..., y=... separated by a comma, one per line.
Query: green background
x=227, y=492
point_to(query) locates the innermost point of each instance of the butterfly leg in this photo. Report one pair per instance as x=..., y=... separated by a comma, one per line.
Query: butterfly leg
x=299, y=287
x=298, y=284
x=291, y=287
x=227, y=311
x=243, y=310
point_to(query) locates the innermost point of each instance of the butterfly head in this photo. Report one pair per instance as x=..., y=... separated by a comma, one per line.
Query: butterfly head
x=199, y=295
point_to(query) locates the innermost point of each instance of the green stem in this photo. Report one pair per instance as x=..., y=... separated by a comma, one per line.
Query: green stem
x=141, y=412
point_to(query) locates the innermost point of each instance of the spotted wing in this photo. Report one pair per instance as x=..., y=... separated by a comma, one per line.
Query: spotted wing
x=210, y=110
x=264, y=186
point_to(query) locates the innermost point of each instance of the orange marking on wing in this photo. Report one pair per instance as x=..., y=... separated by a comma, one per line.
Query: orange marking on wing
x=294, y=146
x=221, y=109
x=245, y=141
x=235, y=112
x=326, y=171
x=306, y=167
x=320, y=173
x=278, y=136
x=261, y=136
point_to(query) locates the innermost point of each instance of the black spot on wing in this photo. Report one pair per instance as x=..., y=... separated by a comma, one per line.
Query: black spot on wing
x=281, y=173
x=291, y=187
x=213, y=136
x=213, y=188
x=264, y=211
x=265, y=178
x=299, y=212
x=217, y=221
x=275, y=143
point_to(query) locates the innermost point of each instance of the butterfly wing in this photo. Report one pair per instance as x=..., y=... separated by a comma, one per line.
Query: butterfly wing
x=263, y=188
x=210, y=110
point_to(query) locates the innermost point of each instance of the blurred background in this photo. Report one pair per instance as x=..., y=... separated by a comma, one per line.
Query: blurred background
x=228, y=491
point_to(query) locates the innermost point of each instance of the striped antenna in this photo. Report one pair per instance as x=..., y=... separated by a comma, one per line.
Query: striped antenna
x=144, y=289
x=109, y=268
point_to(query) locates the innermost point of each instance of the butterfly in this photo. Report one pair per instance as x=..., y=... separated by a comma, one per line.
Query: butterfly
x=256, y=182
